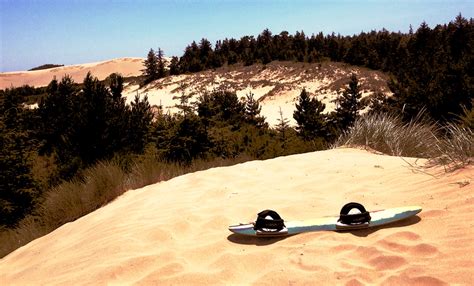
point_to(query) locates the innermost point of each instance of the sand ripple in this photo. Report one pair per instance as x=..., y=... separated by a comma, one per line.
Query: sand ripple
x=175, y=232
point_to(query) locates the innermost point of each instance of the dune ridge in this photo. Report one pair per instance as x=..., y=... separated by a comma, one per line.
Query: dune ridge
x=276, y=85
x=125, y=66
x=175, y=232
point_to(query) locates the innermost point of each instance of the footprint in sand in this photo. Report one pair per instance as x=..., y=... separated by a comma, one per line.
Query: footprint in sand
x=418, y=280
x=404, y=235
x=354, y=282
x=407, y=242
x=342, y=248
x=432, y=214
x=384, y=262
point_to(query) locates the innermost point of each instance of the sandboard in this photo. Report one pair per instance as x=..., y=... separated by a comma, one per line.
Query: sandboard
x=379, y=218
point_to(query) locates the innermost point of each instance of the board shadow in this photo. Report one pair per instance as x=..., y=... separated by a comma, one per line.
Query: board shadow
x=366, y=232
x=253, y=240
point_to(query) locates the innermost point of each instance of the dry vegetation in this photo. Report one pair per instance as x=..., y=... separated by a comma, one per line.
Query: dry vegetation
x=329, y=77
x=99, y=185
x=451, y=145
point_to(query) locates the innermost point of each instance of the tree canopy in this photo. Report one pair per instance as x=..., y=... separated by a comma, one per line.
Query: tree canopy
x=430, y=68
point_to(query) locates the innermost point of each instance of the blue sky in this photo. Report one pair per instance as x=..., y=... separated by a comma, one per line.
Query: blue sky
x=79, y=31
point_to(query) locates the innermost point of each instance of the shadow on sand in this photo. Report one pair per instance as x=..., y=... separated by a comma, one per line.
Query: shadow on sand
x=254, y=240
x=262, y=241
x=366, y=232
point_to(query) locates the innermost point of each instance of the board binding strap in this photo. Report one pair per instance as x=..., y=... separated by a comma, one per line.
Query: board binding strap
x=269, y=222
x=353, y=216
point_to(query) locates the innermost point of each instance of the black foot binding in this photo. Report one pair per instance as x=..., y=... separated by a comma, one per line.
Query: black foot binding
x=360, y=219
x=269, y=223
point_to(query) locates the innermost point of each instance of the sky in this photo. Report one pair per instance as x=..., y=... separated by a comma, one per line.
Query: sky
x=35, y=32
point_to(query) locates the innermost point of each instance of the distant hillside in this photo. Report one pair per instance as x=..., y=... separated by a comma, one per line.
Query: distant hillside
x=44, y=67
x=126, y=66
x=276, y=85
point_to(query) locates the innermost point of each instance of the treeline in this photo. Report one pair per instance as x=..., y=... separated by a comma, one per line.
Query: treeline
x=45, y=66
x=430, y=68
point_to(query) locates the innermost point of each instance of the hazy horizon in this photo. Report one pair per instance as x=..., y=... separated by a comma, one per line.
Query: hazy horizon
x=33, y=33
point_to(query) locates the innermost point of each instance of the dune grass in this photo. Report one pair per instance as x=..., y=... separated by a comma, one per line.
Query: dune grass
x=456, y=148
x=97, y=186
x=450, y=145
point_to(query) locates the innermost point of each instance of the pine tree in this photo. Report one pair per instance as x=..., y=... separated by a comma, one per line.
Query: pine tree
x=283, y=46
x=117, y=123
x=300, y=44
x=186, y=141
x=282, y=128
x=265, y=48
x=309, y=118
x=160, y=56
x=101, y=121
x=58, y=121
x=17, y=188
x=220, y=108
x=184, y=105
x=174, y=66
x=252, y=112
x=205, y=53
x=151, y=67
x=186, y=136
x=191, y=61
x=139, y=125
x=348, y=104
x=205, y=108
x=116, y=85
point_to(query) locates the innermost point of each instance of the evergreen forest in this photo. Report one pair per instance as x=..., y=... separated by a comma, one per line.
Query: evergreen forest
x=76, y=126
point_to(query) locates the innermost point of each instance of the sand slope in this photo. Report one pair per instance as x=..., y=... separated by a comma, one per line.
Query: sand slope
x=125, y=66
x=175, y=232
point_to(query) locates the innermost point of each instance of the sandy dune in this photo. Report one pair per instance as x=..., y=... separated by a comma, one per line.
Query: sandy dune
x=125, y=66
x=276, y=85
x=175, y=232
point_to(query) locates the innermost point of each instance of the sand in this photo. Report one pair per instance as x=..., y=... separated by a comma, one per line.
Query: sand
x=125, y=66
x=175, y=232
x=276, y=86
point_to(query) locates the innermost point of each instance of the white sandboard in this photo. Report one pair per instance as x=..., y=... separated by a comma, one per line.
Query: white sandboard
x=379, y=218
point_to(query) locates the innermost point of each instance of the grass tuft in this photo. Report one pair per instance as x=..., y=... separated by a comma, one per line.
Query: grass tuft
x=451, y=145
x=457, y=146
x=389, y=135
